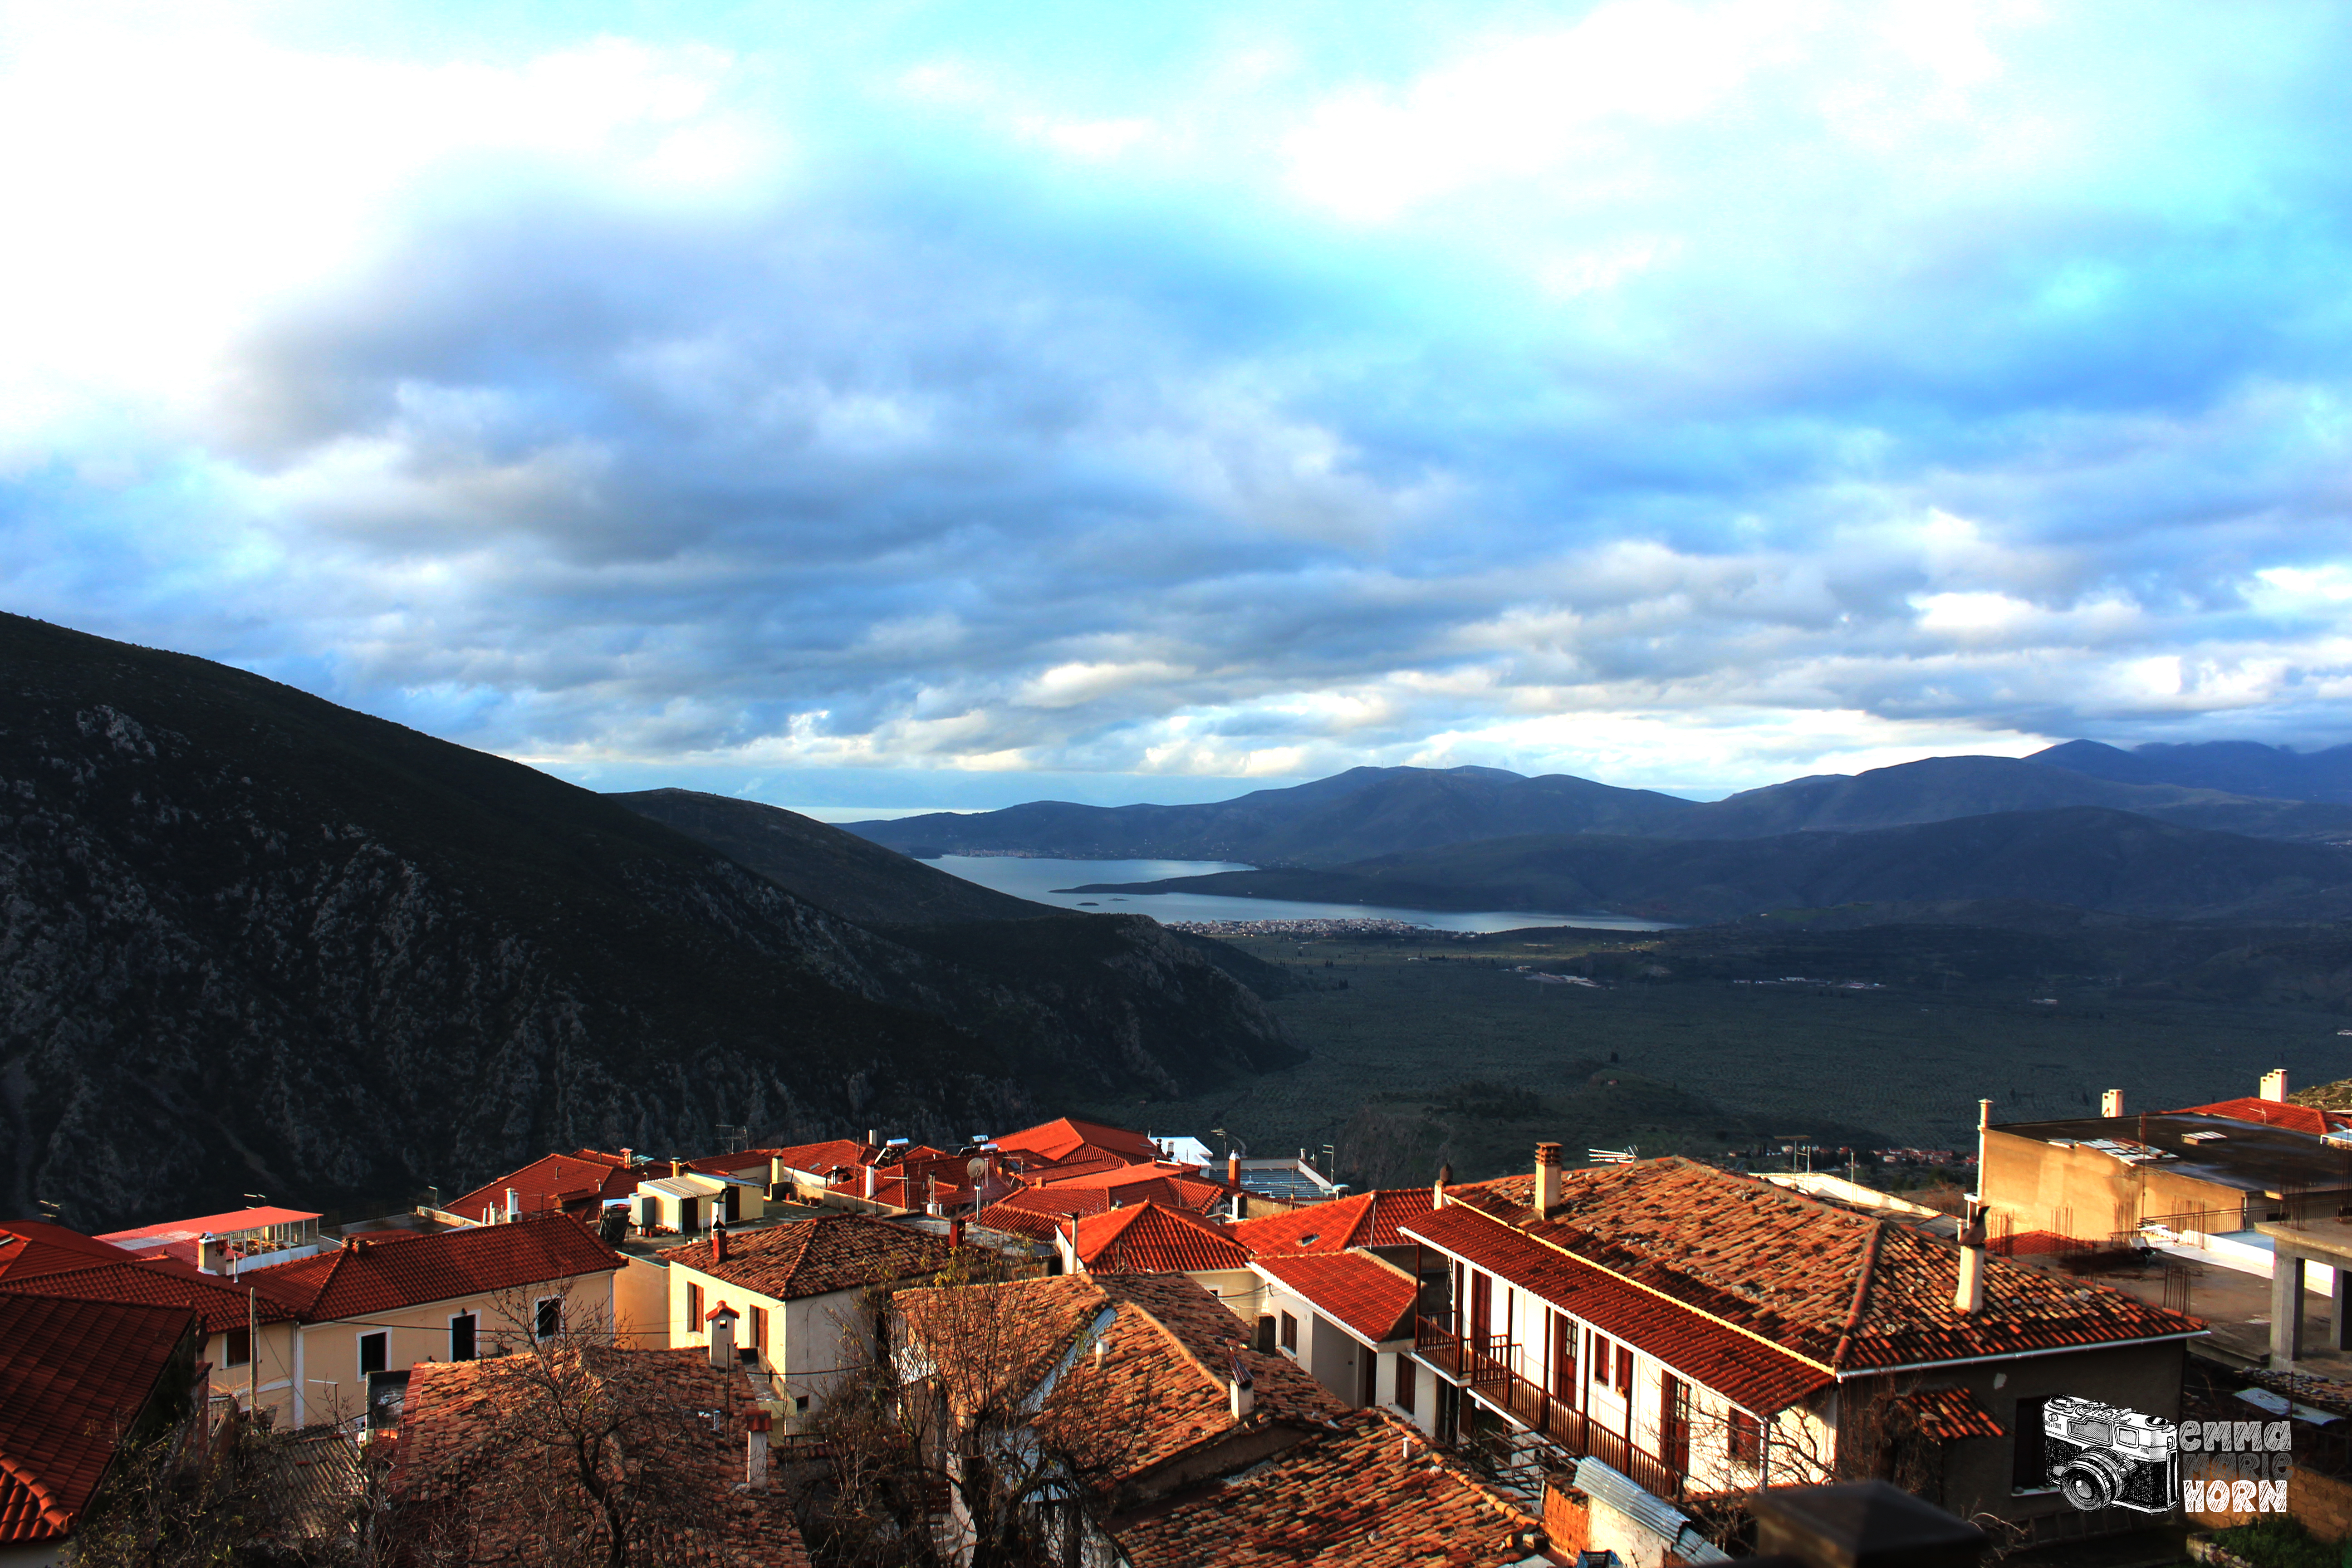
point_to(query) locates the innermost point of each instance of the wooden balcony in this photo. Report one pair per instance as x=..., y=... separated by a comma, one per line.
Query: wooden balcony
x=1483, y=1367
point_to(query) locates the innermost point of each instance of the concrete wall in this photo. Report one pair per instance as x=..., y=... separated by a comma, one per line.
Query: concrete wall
x=641, y=1304
x=2089, y=1196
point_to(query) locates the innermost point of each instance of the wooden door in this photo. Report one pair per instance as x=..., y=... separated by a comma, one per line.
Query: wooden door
x=1482, y=1310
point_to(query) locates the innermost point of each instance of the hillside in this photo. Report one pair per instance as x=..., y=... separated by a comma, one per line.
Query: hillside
x=2241, y=767
x=1940, y=789
x=252, y=939
x=2084, y=857
x=1362, y=812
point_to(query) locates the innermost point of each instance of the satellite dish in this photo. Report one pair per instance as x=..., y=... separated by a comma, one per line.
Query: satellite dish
x=977, y=1169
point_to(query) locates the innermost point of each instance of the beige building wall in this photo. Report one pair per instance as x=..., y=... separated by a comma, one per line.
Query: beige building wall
x=2084, y=1194
x=640, y=1315
x=326, y=1356
x=270, y=1374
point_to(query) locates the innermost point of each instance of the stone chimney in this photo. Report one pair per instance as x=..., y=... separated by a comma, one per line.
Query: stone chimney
x=717, y=1241
x=212, y=1254
x=755, y=1451
x=1969, y=1297
x=721, y=1319
x=2275, y=1084
x=2111, y=1103
x=1438, y=1191
x=1547, y=1179
x=514, y=1205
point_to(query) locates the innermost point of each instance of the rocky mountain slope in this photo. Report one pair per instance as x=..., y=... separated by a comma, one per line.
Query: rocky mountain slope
x=2086, y=857
x=250, y=941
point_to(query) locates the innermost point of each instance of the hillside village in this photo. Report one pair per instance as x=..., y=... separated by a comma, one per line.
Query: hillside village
x=1079, y=1343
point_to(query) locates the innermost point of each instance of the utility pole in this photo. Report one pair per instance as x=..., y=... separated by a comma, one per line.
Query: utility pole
x=253, y=1352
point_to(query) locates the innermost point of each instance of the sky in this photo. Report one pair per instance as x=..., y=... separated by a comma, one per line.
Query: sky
x=896, y=406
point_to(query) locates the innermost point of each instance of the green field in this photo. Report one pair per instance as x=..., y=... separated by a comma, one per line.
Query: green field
x=1436, y=1049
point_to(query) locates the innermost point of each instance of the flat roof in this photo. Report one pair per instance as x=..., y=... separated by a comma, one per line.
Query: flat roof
x=2246, y=1155
x=218, y=1224
x=2331, y=1238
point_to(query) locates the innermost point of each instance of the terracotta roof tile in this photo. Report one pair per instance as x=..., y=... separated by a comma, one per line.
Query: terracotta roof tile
x=375, y=1277
x=1365, y=1219
x=1063, y=1136
x=1372, y=1298
x=553, y=1182
x=458, y=1423
x=219, y=1301
x=820, y=1159
x=1150, y=1240
x=1164, y=1367
x=73, y=1375
x=1948, y=1414
x=2272, y=1113
x=1787, y=1267
x=817, y=1256
x=31, y=1248
x=1371, y=1494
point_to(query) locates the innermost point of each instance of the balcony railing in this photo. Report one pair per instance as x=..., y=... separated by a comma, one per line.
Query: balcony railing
x=1483, y=1365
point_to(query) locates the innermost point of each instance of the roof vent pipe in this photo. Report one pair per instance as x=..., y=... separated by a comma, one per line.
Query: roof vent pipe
x=2275, y=1084
x=870, y=1181
x=1547, y=1179
x=514, y=1205
x=1969, y=1297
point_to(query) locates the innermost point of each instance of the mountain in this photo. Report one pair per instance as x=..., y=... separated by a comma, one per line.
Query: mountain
x=250, y=940
x=1362, y=812
x=2084, y=857
x=2241, y=767
x=1938, y=789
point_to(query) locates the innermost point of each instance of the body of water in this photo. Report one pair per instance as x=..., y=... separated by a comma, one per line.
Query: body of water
x=1036, y=880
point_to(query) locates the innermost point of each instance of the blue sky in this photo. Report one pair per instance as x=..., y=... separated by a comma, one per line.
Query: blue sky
x=905, y=405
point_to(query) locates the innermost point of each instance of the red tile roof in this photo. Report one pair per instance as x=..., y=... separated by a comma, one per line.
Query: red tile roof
x=1949, y=1414
x=1372, y=1299
x=31, y=1247
x=458, y=1435
x=820, y=1159
x=1370, y=1494
x=376, y=1277
x=807, y=1257
x=555, y=1182
x=1365, y=1219
x=2273, y=1113
x=1794, y=1270
x=73, y=1375
x=1063, y=1136
x=1753, y=1375
x=1035, y=1224
x=219, y=1301
x=1150, y=1240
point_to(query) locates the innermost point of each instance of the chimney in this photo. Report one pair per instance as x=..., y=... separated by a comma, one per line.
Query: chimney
x=721, y=1319
x=628, y=1155
x=775, y=1172
x=870, y=1176
x=1242, y=1392
x=873, y=1138
x=1984, y=1114
x=755, y=1451
x=1232, y=1168
x=1444, y=1180
x=1547, y=1179
x=955, y=1234
x=717, y=1241
x=676, y=1168
x=2111, y=1103
x=514, y=1205
x=212, y=1256
x=1969, y=1297
x=2275, y=1084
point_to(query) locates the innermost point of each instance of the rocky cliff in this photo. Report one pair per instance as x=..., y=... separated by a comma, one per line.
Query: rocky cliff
x=252, y=941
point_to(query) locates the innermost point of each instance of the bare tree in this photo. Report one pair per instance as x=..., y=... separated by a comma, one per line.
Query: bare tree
x=569, y=1451
x=989, y=1437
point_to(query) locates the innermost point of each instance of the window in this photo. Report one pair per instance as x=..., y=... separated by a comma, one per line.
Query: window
x=1600, y=1359
x=2030, y=1459
x=693, y=1308
x=547, y=1320
x=1408, y=1378
x=1747, y=1439
x=238, y=1350
x=372, y=1353
x=760, y=1328
x=800, y=1404
x=1625, y=1370
x=461, y=1337
x=1289, y=1333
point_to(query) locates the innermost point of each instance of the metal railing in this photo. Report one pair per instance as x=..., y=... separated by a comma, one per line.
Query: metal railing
x=1484, y=1364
